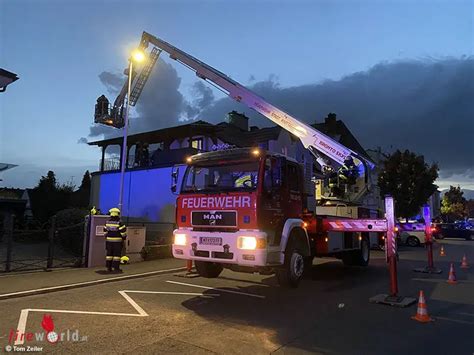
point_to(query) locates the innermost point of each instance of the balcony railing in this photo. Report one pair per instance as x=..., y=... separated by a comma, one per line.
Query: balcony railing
x=111, y=164
x=157, y=159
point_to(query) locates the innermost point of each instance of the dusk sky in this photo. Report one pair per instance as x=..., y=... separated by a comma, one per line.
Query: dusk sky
x=309, y=57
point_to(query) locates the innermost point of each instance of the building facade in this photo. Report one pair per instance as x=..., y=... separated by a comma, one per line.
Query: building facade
x=153, y=155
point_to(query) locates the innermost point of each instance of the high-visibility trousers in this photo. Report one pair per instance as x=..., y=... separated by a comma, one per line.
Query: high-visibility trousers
x=114, y=253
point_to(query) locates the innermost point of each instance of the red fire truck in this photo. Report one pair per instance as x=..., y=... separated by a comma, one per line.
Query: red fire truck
x=247, y=209
x=244, y=209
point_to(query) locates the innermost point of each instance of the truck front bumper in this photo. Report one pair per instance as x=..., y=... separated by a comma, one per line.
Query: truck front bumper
x=221, y=247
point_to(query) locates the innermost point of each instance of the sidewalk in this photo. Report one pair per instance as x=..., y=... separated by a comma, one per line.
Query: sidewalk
x=24, y=284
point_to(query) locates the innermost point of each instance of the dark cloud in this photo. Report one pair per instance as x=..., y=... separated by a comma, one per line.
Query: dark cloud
x=82, y=140
x=161, y=104
x=203, y=95
x=424, y=105
x=112, y=81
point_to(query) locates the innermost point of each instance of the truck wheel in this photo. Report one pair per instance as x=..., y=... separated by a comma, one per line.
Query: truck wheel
x=292, y=271
x=359, y=257
x=207, y=269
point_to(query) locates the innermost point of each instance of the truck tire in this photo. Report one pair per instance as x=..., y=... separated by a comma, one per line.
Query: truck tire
x=358, y=257
x=291, y=273
x=207, y=269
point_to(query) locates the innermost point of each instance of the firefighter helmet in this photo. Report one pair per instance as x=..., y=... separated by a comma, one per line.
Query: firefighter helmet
x=124, y=259
x=114, y=212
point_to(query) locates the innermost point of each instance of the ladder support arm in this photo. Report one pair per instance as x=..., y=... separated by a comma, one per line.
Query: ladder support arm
x=311, y=138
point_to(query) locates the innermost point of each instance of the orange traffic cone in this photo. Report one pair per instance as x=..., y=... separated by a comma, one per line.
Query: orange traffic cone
x=464, y=264
x=189, y=265
x=452, y=275
x=441, y=251
x=422, y=312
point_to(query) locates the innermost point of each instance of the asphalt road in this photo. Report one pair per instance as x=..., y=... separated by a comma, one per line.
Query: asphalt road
x=249, y=314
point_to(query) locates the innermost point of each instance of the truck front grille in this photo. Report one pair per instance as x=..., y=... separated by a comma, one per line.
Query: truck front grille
x=201, y=253
x=222, y=255
x=217, y=229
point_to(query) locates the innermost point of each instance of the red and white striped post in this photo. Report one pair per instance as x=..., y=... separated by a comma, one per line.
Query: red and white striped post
x=391, y=246
x=392, y=299
x=430, y=269
x=428, y=235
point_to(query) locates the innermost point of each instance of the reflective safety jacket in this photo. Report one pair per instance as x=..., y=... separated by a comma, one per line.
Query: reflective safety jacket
x=115, y=231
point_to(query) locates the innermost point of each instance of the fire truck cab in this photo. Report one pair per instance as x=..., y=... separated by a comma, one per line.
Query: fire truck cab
x=245, y=209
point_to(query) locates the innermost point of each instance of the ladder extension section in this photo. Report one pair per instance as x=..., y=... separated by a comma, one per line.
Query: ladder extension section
x=144, y=75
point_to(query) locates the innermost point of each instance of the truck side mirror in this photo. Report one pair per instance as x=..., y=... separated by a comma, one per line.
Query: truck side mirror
x=174, y=179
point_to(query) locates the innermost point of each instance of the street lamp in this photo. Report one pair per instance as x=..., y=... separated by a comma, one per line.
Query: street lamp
x=136, y=56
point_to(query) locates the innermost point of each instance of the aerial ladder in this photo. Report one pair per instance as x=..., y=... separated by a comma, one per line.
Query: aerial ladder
x=329, y=154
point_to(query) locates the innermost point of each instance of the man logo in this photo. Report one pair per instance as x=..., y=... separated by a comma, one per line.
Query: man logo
x=212, y=217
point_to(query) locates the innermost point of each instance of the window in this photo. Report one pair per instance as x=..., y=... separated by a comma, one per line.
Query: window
x=273, y=174
x=221, y=177
x=197, y=143
x=293, y=177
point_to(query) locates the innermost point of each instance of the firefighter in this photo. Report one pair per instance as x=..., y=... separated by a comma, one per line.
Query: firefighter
x=348, y=172
x=244, y=181
x=145, y=156
x=115, y=233
x=138, y=154
x=102, y=107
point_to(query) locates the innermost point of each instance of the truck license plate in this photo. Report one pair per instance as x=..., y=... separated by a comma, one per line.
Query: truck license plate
x=210, y=241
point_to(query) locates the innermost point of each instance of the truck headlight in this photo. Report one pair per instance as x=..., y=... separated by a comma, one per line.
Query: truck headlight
x=247, y=243
x=180, y=239
x=251, y=243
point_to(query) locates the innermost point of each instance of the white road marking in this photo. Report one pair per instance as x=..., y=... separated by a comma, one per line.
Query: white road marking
x=466, y=314
x=21, y=328
x=455, y=320
x=99, y=281
x=22, y=325
x=442, y=280
x=133, y=303
x=216, y=289
x=175, y=293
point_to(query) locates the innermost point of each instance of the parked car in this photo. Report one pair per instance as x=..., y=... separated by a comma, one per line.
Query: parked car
x=452, y=230
x=412, y=238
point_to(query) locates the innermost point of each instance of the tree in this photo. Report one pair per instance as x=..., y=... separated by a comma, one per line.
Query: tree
x=48, y=183
x=409, y=179
x=81, y=197
x=48, y=197
x=44, y=197
x=86, y=181
x=470, y=208
x=453, y=204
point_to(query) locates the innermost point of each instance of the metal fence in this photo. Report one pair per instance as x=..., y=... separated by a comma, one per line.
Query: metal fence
x=26, y=250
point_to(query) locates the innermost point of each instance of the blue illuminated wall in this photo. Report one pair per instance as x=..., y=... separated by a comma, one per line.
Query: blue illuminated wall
x=147, y=195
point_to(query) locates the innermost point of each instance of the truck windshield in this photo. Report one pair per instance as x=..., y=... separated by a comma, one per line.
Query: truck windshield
x=218, y=178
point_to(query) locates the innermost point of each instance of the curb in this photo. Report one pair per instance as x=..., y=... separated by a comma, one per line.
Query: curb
x=85, y=284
